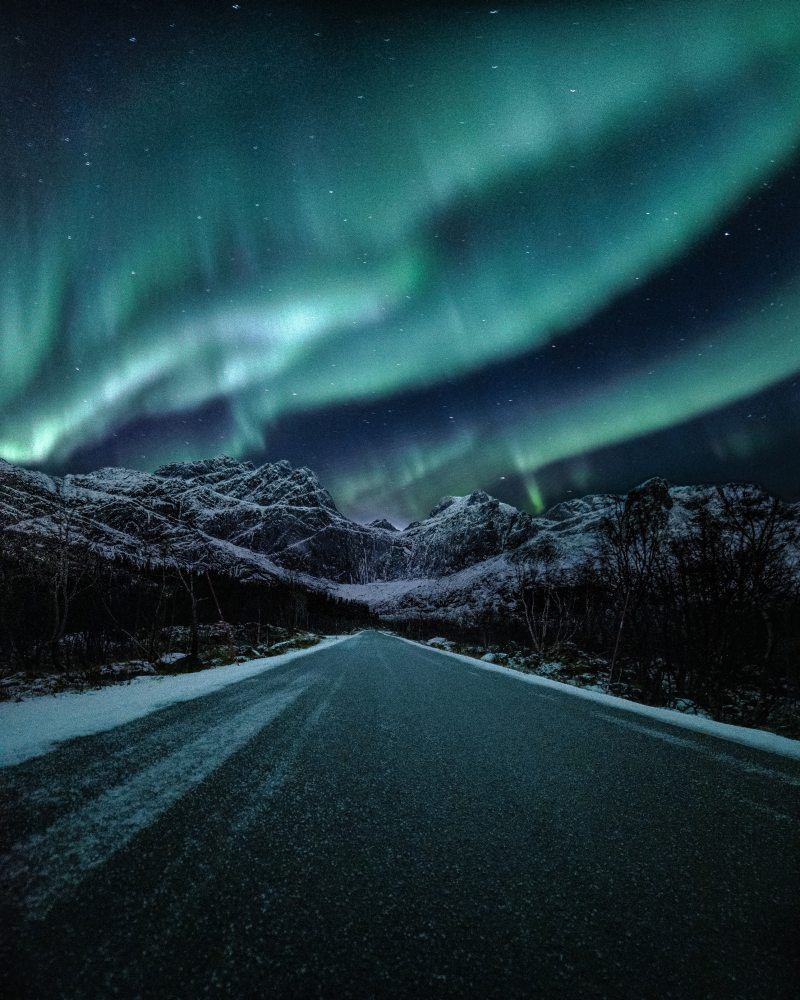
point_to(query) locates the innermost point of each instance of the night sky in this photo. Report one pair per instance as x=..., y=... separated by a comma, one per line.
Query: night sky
x=542, y=249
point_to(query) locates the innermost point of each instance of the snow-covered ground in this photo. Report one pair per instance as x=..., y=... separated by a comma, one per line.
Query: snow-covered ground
x=758, y=739
x=33, y=727
x=461, y=597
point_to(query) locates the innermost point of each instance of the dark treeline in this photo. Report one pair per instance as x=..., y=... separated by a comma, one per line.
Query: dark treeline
x=64, y=607
x=706, y=611
x=699, y=613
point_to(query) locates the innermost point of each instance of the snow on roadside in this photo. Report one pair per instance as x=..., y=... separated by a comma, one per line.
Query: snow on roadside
x=33, y=727
x=758, y=739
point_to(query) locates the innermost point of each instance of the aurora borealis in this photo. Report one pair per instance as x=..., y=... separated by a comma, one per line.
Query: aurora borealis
x=539, y=249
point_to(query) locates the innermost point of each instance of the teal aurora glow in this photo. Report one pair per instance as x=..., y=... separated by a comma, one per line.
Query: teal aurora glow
x=535, y=249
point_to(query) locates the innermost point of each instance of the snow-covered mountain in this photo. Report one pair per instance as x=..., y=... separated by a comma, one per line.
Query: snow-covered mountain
x=269, y=519
x=276, y=522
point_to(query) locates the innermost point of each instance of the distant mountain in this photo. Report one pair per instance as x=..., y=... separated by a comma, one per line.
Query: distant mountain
x=278, y=522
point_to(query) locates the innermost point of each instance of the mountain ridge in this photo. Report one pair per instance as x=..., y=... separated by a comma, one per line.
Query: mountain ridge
x=276, y=521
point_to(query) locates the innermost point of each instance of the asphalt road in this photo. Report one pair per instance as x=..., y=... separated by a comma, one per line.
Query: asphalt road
x=377, y=819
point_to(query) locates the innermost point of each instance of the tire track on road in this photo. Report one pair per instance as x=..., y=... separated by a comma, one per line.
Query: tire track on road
x=44, y=866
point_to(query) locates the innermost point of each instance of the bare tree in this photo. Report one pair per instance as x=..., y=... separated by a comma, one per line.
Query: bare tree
x=733, y=588
x=69, y=568
x=547, y=611
x=633, y=554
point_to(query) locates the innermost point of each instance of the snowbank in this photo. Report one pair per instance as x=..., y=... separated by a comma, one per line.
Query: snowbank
x=32, y=728
x=755, y=738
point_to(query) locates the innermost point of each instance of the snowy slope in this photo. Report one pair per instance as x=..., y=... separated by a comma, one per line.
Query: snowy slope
x=276, y=521
x=34, y=726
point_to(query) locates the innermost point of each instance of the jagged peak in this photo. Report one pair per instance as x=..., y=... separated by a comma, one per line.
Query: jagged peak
x=203, y=467
x=441, y=506
x=652, y=483
x=456, y=504
x=284, y=467
x=655, y=488
x=382, y=523
x=277, y=482
x=579, y=506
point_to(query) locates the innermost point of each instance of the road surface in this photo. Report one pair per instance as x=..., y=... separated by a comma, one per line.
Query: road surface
x=379, y=819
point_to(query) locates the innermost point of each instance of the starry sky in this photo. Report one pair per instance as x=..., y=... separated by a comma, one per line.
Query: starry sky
x=541, y=249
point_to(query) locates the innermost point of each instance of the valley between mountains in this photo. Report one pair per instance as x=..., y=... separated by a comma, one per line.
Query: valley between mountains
x=673, y=595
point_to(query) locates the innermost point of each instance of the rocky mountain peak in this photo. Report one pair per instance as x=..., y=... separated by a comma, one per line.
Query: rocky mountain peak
x=479, y=497
x=280, y=482
x=441, y=506
x=211, y=469
x=383, y=524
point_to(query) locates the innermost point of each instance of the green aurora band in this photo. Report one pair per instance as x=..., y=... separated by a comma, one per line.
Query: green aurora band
x=255, y=227
x=634, y=405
